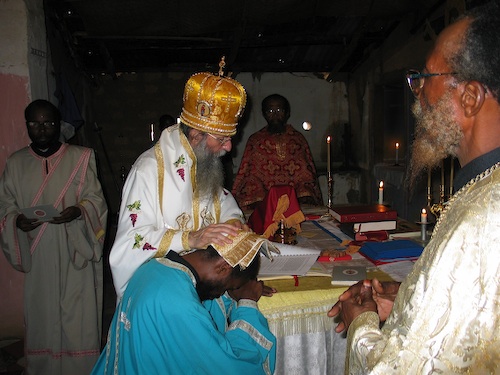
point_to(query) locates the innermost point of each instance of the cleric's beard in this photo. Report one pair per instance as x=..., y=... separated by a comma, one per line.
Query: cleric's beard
x=437, y=136
x=209, y=170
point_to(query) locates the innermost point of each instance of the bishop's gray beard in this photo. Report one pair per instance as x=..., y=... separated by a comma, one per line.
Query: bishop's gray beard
x=209, y=170
x=437, y=136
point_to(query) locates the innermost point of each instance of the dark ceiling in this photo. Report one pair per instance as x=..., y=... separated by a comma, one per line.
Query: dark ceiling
x=332, y=36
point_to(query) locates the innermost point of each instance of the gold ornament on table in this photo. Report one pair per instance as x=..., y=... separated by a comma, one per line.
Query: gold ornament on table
x=284, y=234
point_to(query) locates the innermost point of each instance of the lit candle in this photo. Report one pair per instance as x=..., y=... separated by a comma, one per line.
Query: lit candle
x=423, y=226
x=152, y=133
x=397, y=153
x=423, y=216
x=381, y=193
x=328, y=142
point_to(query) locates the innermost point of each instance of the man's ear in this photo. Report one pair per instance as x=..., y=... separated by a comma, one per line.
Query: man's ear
x=223, y=268
x=473, y=98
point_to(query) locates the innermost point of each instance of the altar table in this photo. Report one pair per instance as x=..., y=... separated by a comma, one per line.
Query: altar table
x=307, y=343
x=306, y=340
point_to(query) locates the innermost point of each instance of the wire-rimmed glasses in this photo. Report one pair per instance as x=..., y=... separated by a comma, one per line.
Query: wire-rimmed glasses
x=416, y=79
x=222, y=140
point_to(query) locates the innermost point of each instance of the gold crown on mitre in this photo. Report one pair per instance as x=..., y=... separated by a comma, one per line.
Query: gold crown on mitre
x=244, y=248
x=213, y=103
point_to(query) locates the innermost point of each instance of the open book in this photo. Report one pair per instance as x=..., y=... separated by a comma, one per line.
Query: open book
x=293, y=261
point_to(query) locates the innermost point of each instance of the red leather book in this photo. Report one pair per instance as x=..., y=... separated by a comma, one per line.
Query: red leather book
x=325, y=258
x=363, y=213
x=377, y=235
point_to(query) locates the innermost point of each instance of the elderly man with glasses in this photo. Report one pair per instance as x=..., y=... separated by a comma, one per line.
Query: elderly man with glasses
x=173, y=198
x=445, y=317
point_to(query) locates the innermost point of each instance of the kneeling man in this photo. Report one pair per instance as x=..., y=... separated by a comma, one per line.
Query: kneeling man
x=193, y=313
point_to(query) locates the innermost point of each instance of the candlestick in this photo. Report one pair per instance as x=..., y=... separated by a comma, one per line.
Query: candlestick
x=442, y=172
x=452, y=169
x=441, y=187
x=328, y=145
x=152, y=133
x=429, y=190
x=381, y=193
x=397, y=153
x=330, y=189
x=423, y=232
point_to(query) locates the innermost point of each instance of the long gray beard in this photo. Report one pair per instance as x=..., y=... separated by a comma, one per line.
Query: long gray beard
x=437, y=136
x=209, y=171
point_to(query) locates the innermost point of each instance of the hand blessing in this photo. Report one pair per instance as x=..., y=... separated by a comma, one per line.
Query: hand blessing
x=244, y=227
x=214, y=233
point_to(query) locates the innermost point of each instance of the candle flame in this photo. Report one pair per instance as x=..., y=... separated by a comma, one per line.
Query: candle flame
x=424, y=211
x=397, y=145
x=328, y=139
x=381, y=185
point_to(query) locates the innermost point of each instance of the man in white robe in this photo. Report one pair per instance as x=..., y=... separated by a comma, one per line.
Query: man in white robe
x=61, y=258
x=445, y=318
x=173, y=197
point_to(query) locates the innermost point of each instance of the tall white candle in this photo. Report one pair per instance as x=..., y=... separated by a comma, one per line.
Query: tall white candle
x=381, y=193
x=423, y=216
x=328, y=162
x=423, y=225
x=397, y=152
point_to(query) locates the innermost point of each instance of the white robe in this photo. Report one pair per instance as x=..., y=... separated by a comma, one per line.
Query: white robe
x=446, y=317
x=62, y=263
x=165, y=173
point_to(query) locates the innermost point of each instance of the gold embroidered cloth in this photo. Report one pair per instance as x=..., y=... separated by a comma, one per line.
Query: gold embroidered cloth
x=446, y=318
x=276, y=159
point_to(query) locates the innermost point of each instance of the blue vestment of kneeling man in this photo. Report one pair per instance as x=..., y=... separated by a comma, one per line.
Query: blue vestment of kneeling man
x=161, y=327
